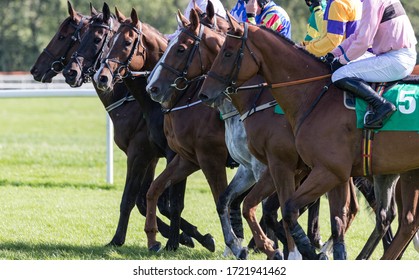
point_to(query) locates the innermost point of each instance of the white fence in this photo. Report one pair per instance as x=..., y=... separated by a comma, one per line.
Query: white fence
x=24, y=86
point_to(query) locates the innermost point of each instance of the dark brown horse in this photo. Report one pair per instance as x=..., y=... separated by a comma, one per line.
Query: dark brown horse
x=191, y=55
x=131, y=133
x=58, y=52
x=325, y=132
x=138, y=46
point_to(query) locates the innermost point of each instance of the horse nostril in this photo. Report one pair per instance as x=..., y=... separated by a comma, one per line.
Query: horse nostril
x=103, y=79
x=34, y=70
x=154, y=90
x=72, y=73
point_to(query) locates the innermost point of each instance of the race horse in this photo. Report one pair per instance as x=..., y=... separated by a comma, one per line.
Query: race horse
x=326, y=135
x=187, y=58
x=142, y=146
x=138, y=46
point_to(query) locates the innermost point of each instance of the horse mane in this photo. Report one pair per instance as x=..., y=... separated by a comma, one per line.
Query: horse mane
x=155, y=30
x=289, y=41
x=99, y=17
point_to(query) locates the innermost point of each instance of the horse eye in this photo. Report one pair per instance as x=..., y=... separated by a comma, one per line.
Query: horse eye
x=61, y=37
x=127, y=43
x=181, y=50
x=97, y=40
x=227, y=54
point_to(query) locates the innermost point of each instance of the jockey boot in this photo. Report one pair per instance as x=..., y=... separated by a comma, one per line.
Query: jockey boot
x=383, y=109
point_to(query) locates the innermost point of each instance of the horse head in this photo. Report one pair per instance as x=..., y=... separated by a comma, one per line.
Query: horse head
x=59, y=50
x=188, y=57
x=135, y=46
x=85, y=61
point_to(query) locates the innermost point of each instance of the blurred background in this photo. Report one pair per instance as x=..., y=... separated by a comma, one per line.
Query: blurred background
x=26, y=26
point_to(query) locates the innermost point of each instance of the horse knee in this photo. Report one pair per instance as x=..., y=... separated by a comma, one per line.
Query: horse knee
x=249, y=210
x=408, y=223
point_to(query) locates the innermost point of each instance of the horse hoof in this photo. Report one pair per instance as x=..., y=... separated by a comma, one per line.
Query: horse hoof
x=278, y=255
x=155, y=248
x=186, y=240
x=243, y=254
x=114, y=244
x=171, y=247
x=209, y=242
x=323, y=256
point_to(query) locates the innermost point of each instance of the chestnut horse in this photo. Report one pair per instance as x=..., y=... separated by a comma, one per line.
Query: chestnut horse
x=330, y=145
x=138, y=46
x=181, y=62
x=130, y=130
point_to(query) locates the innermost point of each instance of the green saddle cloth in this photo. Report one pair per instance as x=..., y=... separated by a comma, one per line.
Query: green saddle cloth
x=278, y=110
x=406, y=99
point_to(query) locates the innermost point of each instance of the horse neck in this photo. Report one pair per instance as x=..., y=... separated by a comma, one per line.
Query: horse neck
x=155, y=45
x=280, y=61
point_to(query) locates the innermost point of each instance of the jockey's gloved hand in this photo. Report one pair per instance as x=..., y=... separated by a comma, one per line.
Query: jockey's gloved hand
x=335, y=65
x=313, y=3
x=328, y=58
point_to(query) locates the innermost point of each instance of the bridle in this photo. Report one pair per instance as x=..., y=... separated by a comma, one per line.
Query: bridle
x=89, y=72
x=58, y=64
x=124, y=66
x=181, y=75
x=231, y=79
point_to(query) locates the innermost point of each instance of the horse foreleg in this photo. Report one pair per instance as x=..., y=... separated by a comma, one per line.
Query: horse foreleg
x=384, y=190
x=318, y=182
x=263, y=189
x=408, y=216
x=176, y=170
x=139, y=170
x=241, y=182
x=343, y=208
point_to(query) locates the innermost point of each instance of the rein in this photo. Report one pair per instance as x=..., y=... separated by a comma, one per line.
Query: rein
x=231, y=79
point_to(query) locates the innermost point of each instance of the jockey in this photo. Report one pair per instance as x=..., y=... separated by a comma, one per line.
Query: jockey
x=269, y=14
x=315, y=23
x=386, y=27
x=202, y=4
x=239, y=11
x=340, y=20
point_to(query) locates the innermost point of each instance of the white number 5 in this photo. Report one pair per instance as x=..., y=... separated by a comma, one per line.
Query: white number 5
x=408, y=105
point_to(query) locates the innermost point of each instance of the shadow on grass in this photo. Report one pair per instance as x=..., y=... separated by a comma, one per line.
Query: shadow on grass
x=55, y=185
x=27, y=251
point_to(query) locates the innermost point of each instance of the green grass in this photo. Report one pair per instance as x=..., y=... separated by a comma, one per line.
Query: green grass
x=55, y=203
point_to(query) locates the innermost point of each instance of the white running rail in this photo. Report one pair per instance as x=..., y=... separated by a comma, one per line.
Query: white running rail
x=23, y=86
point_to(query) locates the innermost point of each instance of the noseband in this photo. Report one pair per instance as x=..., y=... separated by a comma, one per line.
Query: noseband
x=58, y=64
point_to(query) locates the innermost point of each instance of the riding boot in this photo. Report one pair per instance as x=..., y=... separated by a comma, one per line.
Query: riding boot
x=383, y=109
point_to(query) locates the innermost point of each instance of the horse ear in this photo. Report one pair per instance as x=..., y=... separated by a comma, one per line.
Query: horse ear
x=71, y=11
x=119, y=15
x=210, y=10
x=182, y=21
x=234, y=25
x=134, y=16
x=194, y=19
x=92, y=10
x=106, y=12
